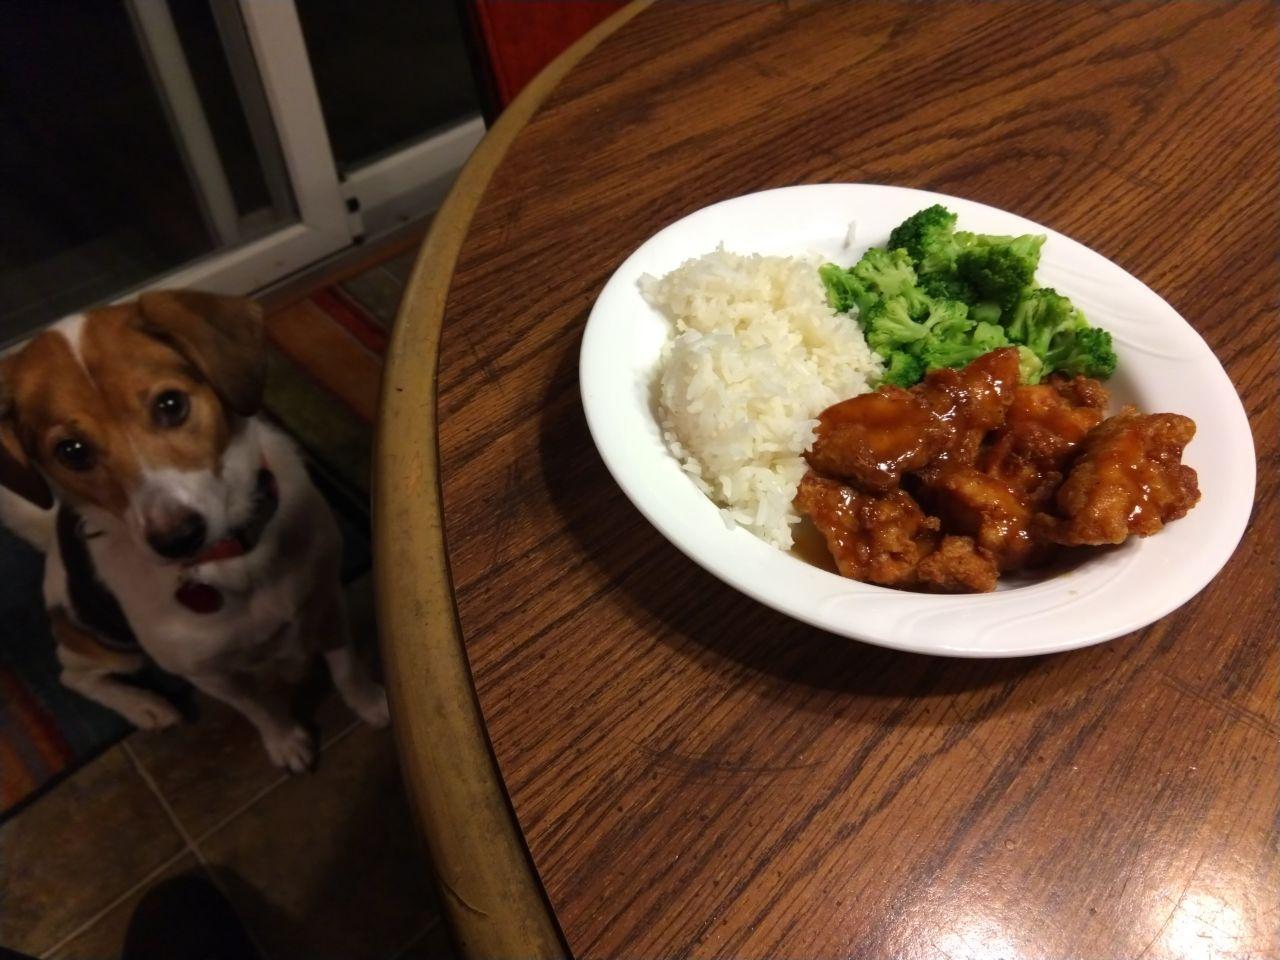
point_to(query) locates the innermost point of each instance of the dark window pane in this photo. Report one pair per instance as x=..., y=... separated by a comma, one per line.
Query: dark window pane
x=388, y=72
x=92, y=187
x=96, y=192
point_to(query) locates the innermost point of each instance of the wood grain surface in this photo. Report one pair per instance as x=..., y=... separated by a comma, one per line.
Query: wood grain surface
x=695, y=775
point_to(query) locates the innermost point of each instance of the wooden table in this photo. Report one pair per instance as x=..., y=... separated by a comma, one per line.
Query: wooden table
x=694, y=774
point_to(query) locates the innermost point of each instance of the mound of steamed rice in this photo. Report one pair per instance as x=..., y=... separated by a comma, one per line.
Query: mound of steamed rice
x=756, y=355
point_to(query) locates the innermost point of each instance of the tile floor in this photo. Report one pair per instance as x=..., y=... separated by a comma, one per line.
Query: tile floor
x=323, y=865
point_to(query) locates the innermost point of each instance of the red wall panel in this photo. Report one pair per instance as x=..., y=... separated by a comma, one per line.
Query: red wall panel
x=523, y=36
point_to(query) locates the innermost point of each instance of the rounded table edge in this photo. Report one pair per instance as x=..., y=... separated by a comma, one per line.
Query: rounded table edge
x=492, y=895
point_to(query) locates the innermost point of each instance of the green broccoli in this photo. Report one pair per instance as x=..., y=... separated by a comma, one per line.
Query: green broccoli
x=929, y=239
x=878, y=275
x=1000, y=268
x=1056, y=331
x=1039, y=316
x=889, y=273
x=902, y=369
x=957, y=352
x=888, y=326
x=984, y=311
x=1084, y=351
x=948, y=286
x=941, y=297
x=845, y=292
x=949, y=319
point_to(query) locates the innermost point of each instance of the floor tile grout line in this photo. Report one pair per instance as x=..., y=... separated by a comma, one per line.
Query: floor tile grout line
x=150, y=781
x=262, y=792
x=341, y=734
x=155, y=872
x=190, y=845
x=263, y=953
x=268, y=788
x=416, y=939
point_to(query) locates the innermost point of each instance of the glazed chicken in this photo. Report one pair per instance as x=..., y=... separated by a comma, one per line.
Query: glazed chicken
x=972, y=401
x=1128, y=479
x=887, y=539
x=947, y=485
x=986, y=508
x=873, y=439
x=1044, y=426
x=878, y=538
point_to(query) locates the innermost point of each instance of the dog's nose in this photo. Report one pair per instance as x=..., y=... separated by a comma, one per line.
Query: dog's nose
x=180, y=539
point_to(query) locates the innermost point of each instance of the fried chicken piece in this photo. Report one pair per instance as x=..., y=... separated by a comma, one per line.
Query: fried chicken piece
x=1044, y=426
x=872, y=440
x=987, y=509
x=887, y=539
x=971, y=401
x=1128, y=478
x=1080, y=391
x=958, y=566
x=874, y=538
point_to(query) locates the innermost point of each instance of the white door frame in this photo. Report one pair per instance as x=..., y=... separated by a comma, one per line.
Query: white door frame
x=331, y=213
x=412, y=181
x=322, y=227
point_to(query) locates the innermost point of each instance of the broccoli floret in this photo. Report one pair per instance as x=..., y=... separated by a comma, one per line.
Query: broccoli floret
x=889, y=273
x=845, y=292
x=1030, y=367
x=1000, y=268
x=1055, y=330
x=1039, y=316
x=947, y=286
x=888, y=326
x=878, y=275
x=902, y=369
x=959, y=351
x=984, y=311
x=989, y=336
x=949, y=320
x=928, y=237
x=1084, y=351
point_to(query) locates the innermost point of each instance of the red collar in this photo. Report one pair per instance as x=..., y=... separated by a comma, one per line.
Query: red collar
x=201, y=597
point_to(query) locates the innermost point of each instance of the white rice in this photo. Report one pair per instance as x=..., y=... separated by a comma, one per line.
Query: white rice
x=756, y=355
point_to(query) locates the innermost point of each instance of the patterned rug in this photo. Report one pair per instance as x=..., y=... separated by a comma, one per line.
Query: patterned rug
x=325, y=363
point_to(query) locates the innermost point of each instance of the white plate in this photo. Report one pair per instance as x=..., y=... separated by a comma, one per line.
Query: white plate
x=1164, y=365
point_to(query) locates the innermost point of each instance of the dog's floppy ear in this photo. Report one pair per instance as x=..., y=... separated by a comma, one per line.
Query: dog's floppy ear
x=16, y=471
x=221, y=336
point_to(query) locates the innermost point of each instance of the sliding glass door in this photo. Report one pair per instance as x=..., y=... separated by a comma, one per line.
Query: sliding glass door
x=218, y=144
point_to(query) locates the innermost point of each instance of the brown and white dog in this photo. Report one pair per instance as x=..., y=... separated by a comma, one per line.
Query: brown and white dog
x=176, y=523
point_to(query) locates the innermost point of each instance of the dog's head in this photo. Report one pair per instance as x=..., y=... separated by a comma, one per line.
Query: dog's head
x=132, y=410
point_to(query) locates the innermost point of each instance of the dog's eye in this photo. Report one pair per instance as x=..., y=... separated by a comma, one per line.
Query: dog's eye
x=75, y=454
x=170, y=409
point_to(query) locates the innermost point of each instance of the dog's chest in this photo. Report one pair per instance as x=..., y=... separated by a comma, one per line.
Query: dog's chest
x=256, y=624
x=249, y=632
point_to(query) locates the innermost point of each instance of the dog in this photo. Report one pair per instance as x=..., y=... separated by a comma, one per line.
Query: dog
x=177, y=524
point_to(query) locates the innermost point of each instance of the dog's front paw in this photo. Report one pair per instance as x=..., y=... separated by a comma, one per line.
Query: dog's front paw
x=291, y=748
x=372, y=707
x=148, y=711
